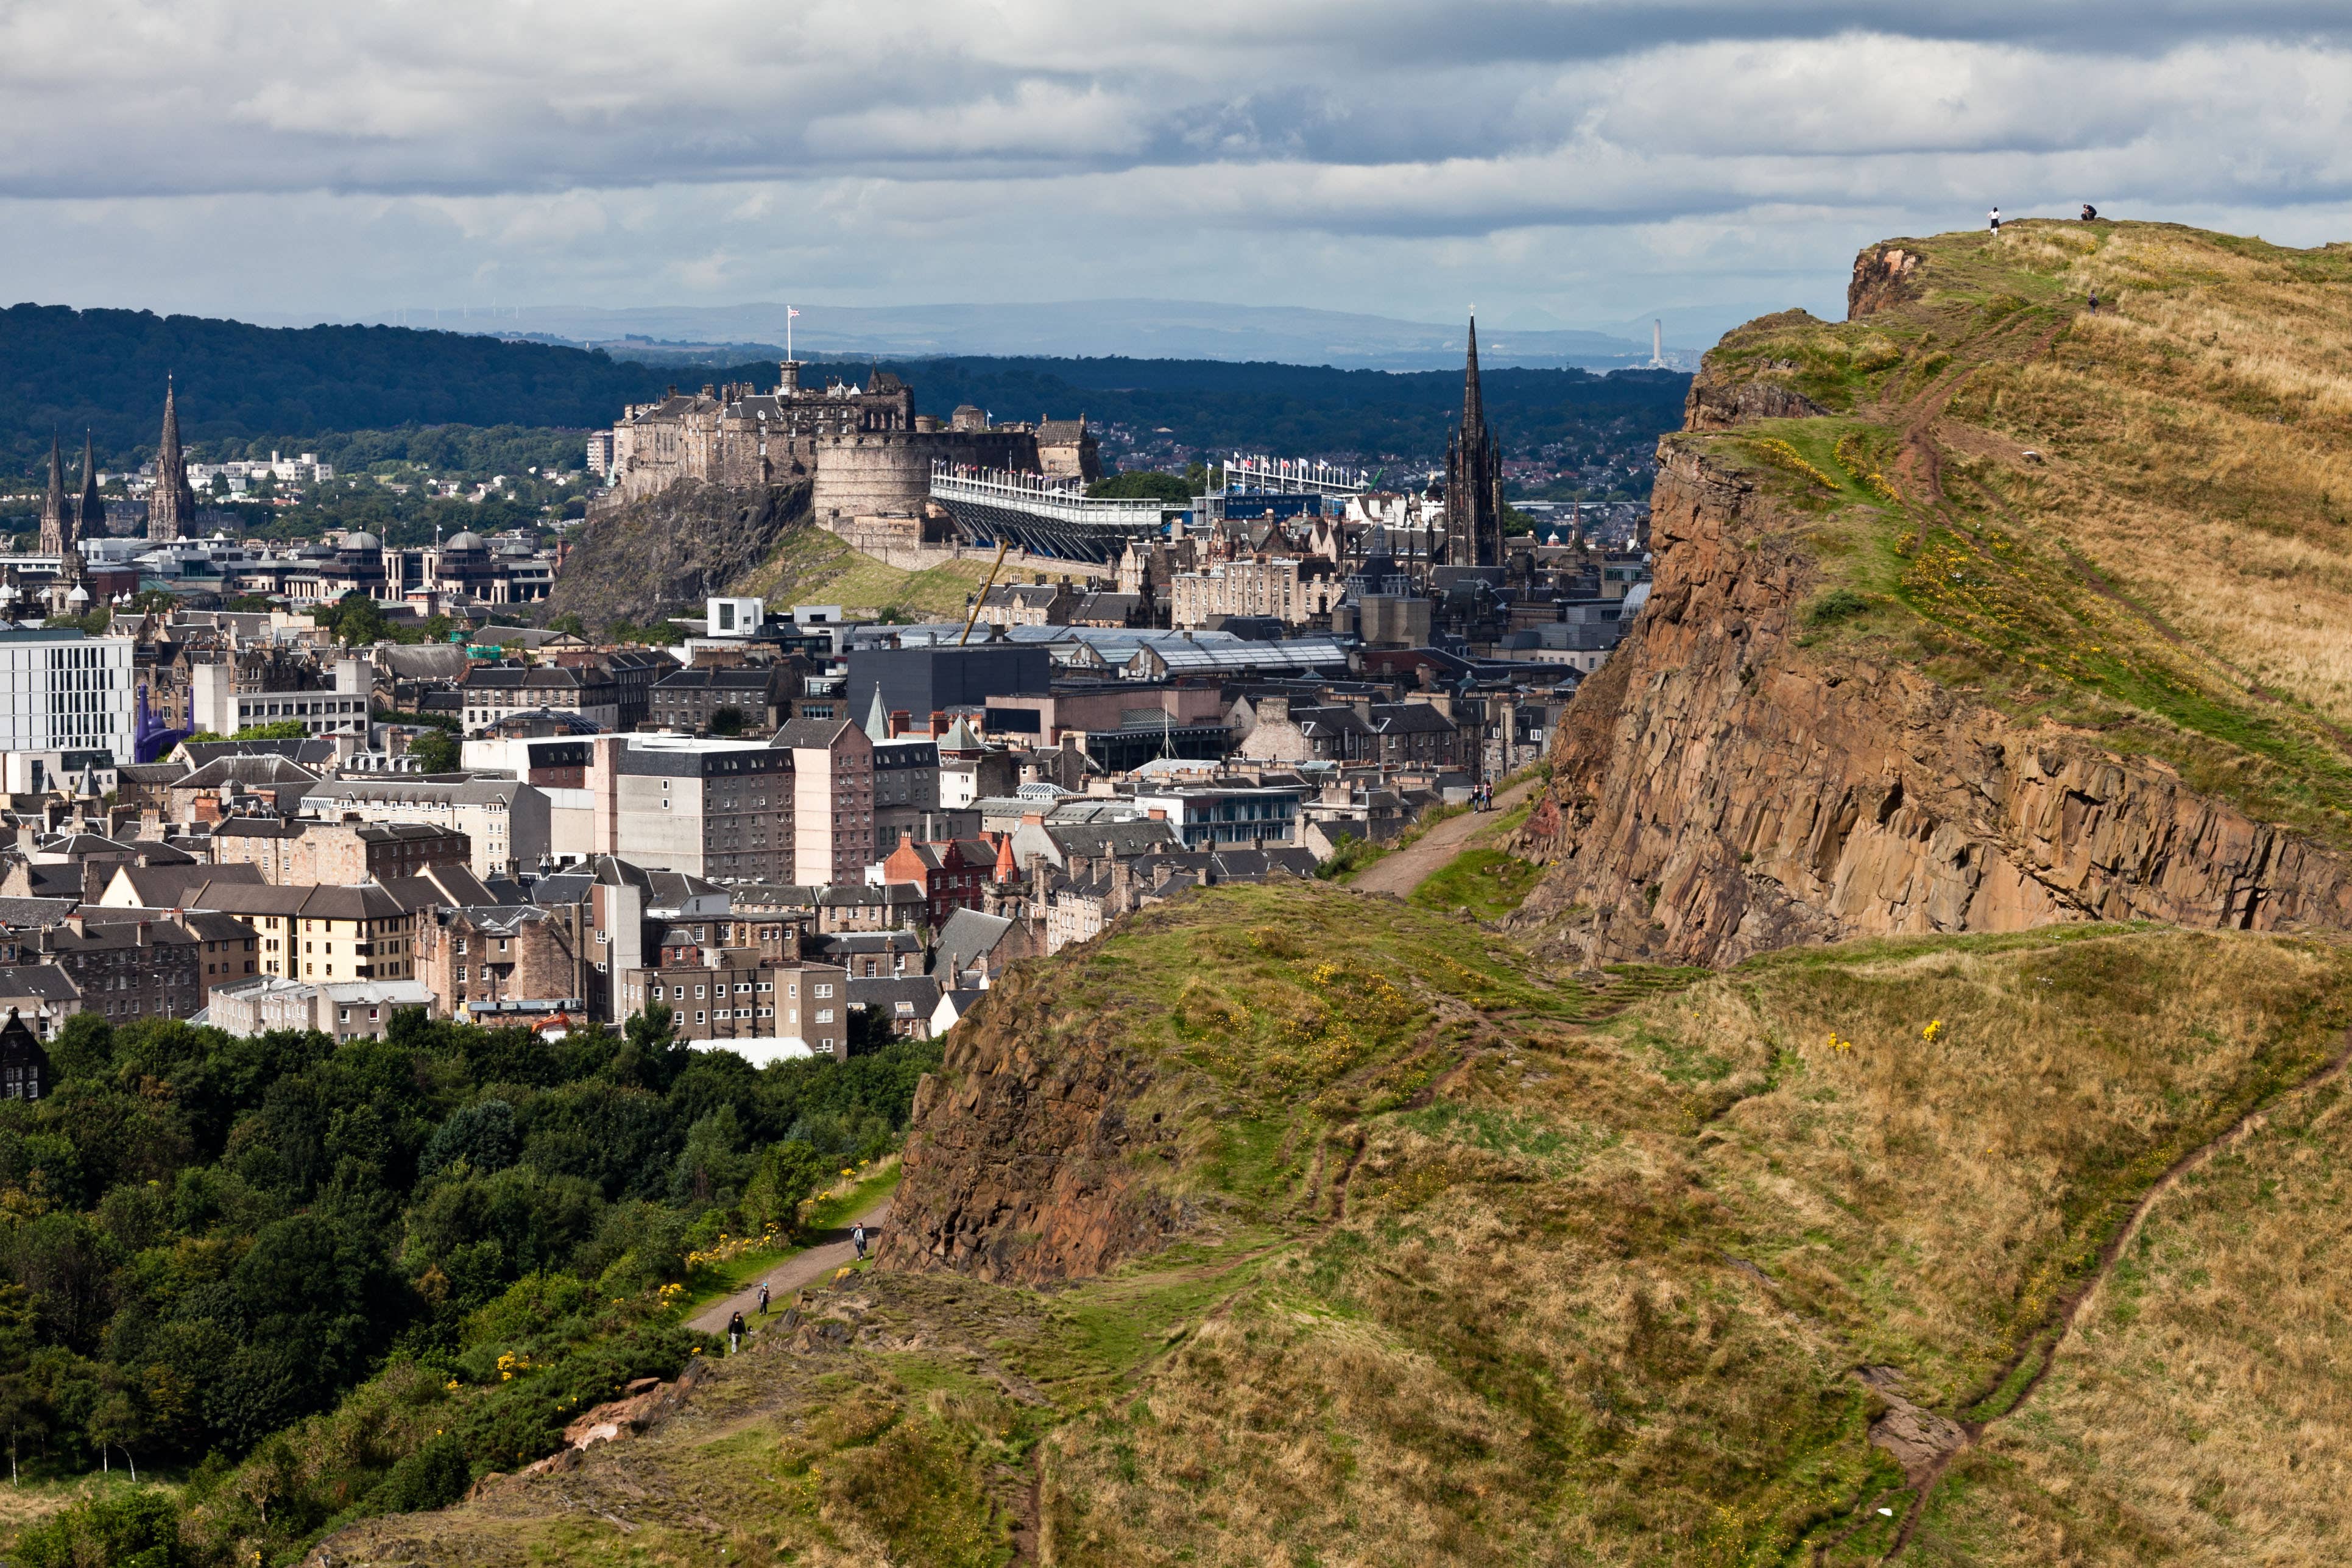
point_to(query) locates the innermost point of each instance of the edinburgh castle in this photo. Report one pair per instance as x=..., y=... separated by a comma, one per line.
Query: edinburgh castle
x=864, y=450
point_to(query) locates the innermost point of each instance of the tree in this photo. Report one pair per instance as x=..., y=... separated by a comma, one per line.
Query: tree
x=570, y=623
x=1142, y=485
x=728, y=720
x=435, y=750
x=276, y=730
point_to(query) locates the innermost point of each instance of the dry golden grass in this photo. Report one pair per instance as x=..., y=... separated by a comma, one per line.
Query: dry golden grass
x=1597, y=1293
x=2199, y=428
x=2198, y=1413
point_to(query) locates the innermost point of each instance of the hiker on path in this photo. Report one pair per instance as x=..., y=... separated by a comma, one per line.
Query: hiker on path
x=734, y=1332
x=763, y=1298
x=858, y=1239
x=1996, y=220
x=2094, y=301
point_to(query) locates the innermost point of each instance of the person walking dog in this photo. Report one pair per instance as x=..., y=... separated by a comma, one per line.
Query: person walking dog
x=734, y=1332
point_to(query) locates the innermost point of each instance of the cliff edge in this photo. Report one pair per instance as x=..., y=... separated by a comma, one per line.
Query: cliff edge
x=636, y=561
x=1984, y=610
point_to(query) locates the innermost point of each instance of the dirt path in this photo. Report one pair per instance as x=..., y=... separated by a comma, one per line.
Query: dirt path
x=790, y=1274
x=2042, y=1350
x=1408, y=868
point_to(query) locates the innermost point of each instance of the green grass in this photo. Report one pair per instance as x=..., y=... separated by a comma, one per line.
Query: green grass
x=709, y=1282
x=813, y=566
x=1489, y=883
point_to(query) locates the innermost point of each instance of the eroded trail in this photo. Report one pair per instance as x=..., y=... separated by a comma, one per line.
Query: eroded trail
x=2041, y=1350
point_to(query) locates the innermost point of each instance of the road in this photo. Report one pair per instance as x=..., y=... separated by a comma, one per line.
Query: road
x=1402, y=872
x=786, y=1277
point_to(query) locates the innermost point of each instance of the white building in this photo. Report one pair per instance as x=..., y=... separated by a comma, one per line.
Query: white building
x=64, y=692
x=218, y=706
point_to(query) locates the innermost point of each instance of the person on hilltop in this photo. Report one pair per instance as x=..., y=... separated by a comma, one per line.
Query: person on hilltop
x=858, y=1239
x=1996, y=220
x=2090, y=213
x=734, y=1332
x=2094, y=301
x=763, y=1298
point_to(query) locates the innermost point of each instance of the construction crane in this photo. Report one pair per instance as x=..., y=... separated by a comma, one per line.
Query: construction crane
x=981, y=597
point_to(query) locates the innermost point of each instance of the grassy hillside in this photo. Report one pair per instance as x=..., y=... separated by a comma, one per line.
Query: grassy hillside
x=810, y=566
x=1487, y=1264
x=2137, y=521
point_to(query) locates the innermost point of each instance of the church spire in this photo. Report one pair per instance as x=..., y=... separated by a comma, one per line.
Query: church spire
x=92, y=522
x=1473, y=405
x=55, y=527
x=171, y=508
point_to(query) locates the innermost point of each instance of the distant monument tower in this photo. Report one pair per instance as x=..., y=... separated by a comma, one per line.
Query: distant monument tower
x=57, y=522
x=1657, y=344
x=171, y=508
x=1474, y=478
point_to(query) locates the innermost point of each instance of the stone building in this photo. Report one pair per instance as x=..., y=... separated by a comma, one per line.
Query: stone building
x=864, y=450
x=146, y=967
x=1298, y=591
x=23, y=1064
x=503, y=954
x=347, y=851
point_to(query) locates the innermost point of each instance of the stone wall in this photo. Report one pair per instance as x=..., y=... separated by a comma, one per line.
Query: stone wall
x=1718, y=792
x=890, y=471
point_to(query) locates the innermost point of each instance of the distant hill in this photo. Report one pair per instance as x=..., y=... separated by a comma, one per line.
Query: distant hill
x=1145, y=329
x=104, y=370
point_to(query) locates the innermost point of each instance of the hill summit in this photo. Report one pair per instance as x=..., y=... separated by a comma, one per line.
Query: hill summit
x=2016, y=598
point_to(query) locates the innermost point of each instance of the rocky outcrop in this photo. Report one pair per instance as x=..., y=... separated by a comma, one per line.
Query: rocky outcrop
x=1718, y=403
x=1028, y=1160
x=1884, y=275
x=639, y=560
x=1718, y=792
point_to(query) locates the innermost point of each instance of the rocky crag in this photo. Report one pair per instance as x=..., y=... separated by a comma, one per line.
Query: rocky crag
x=667, y=551
x=1027, y=1165
x=1875, y=692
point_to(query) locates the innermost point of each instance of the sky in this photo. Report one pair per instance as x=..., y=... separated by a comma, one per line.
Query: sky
x=1551, y=163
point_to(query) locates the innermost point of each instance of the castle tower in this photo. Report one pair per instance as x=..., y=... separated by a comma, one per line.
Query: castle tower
x=1474, y=478
x=57, y=523
x=172, y=509
x=92, y=524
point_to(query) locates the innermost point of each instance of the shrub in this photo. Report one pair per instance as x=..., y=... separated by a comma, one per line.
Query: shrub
x=432, y=1477
x=1837, y=605
x=137, y=1529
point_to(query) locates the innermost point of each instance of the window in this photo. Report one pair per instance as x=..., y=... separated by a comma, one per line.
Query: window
x=824, y=1015
x=698, y=1017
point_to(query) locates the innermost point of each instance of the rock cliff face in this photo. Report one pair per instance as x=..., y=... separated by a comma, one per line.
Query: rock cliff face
x=1026, y=1166
x=672, y=549
x=1719, y=791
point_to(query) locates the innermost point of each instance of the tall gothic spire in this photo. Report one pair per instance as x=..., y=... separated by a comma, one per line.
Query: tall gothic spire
x=172, y=507
x=56, y=527
x=1473, y=405
x=92, y=522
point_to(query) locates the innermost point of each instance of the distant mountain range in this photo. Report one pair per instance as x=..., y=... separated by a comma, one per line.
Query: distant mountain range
x=1133, y=328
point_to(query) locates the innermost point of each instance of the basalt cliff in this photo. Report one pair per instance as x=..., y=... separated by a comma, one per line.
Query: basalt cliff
x=1911, y=661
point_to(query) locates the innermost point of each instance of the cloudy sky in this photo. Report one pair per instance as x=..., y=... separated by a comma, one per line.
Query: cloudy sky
x=1571, y=163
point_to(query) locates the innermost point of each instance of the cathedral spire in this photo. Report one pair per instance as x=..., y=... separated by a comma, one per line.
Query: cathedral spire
x=92, y=520
x=172, y=507
x=56, y=526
